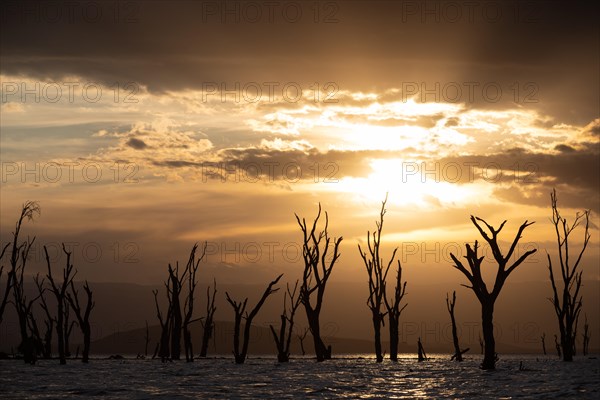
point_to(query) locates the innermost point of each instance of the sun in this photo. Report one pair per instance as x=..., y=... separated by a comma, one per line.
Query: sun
x=407, y=183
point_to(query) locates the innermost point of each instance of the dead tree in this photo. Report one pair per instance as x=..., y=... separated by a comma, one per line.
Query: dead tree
x=239, y=309
x=49, y=321
x=175, y=306
x=30, y=345
x=317, y=270
x=557, y=345
x=586, y=337
x=146, y=340
x=29, y=211
x=60, y=292
x=394, y=310
x=9, y=282
x=457, y=351
x=543, y=340
x=301, y=338
x=567, y=301
x=69, y=325
x=83, y=316
x=485, y=297
x=284, y=338
x=191, y=268
x=422, y=356
x=165, y=325
x=208, y=325
x=377, y=271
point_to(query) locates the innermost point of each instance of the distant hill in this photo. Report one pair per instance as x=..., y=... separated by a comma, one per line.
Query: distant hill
x=522, y=315
x=133, y=342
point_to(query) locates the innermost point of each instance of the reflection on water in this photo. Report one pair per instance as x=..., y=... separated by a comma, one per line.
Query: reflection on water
x=351, y=377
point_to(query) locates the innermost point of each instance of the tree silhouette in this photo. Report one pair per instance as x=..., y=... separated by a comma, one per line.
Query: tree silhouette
x=567, y=302
x=377, y=271
x=394, y=310
x=586, y=337
x=543, y=340
x=239, y=309
x=30, y=345
x=60, y=291
x=317, y=270
x=422, y=356
x=165, y=325
x=49, y=321
x=301, y=338
x=284, y=338
x=9, y=282
x=208, y=325
x=83, y=316
x=457, y=351
x=191, y=268
x=485, y=297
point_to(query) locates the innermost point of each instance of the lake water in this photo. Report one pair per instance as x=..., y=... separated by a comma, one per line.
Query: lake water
x=347, y=377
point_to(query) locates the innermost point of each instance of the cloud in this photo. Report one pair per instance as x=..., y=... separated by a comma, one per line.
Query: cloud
x=137, y=144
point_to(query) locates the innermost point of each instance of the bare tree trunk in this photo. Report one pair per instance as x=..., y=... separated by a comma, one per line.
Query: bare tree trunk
x=317, y=269
x=377, y=278
x=147, y=340
x=586, y=337
x=209, y=325
x=394, y=311
x=457, y=351
x=301, y=339
x=165, y=324
x=487, y=324
x=176, y=318
x=239, y=309
x=60, y=295
x=83, y=316
x=543, y=340
x=422, y=356
x=557, y=345
x=192, y=269
x=485, y=297
x=284, y=339
x=567, y=302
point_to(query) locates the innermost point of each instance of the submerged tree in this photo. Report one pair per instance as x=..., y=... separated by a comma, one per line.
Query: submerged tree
x=165, y=325
x=60, y=292
x=9, y=282
x=191, y=268
x=318, y=266
x=83, y=316
x=284, y=338
x=30, y=345
x=239, y=309
x=457, y=351
x=543, y=340
x=567, y=301
x=422, y=356
x=394, y=310
x=49, y=321
x=557, y=345
x=488, y=298
x=208, y=325
x=377, y=271
x=586, y=337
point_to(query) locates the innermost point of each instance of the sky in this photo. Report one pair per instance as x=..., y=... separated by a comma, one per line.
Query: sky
x=144, y=127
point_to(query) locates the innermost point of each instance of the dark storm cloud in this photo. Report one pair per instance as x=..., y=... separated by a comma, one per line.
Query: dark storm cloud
x=360, y=45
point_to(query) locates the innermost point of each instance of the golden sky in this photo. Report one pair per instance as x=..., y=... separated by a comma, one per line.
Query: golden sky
x=172, y=123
